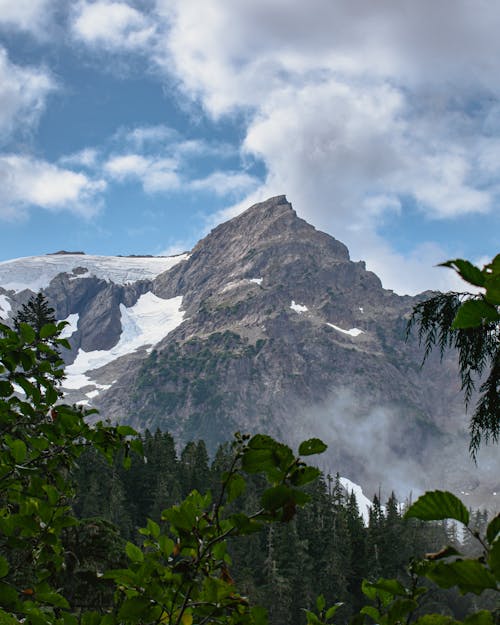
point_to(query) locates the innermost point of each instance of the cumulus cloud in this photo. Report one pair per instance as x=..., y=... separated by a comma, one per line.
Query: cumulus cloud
x=23, y=95
x=28, y=15
x=357, y=110
x=28, y=182
x=155, y=174
x=114, y=26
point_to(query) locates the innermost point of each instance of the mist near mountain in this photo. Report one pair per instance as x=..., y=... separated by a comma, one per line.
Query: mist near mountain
x=266, y=325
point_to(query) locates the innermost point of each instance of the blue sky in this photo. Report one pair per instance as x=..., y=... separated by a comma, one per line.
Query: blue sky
x=136, y=126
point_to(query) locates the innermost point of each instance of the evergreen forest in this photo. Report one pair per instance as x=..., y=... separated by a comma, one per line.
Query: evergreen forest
x=326, y=549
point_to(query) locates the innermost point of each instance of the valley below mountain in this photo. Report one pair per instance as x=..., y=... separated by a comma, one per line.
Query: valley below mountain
x=266, y=325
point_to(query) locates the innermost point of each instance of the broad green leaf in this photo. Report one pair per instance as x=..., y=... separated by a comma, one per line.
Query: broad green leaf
x=473, y=313
x=18, y=450
x=494, y=559
x=154, y=528
x=276, y=497
x=48, y=330
x=392, y=586
x=467, y=575
x=320, y=602
x=52, y=598
x=332, y=610
x=399, y=609
x=483, y=617
x=8, y=595
x=259, y=615
x=304, y=475
x=235, y=487
x=135, y=609
x=437, y=505
x=4, y=567
x=134, y=553
x=469, y=272
x=6, y=388
x=493, y=530
x=493, y=289
x=371, y=611
x=27, y=332
x=312, y=619
x=312, y=446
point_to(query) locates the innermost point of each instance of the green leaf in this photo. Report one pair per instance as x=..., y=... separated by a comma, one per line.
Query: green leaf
x=483, y=617
x=493, y=289
x=312, y=619
x=304, y=475
x=473, y=313
x=493, y=529
x=8, y=595
x=48, y=330
x=437, y=505
x=134, y=610
x=52, y=598
x=320, y=602
x=4, y=567
x=371, y=611
x=276, y=497
x=6, y=388
x=18, y=450
x=399, y=609
x=494, y=559
x=332, y=610
x=27, y=333
x=235, y=487
x=469, y=272
x=392, y=586
x=134, y=553
x=259, y=615
x=312, y=446
x=467, y=575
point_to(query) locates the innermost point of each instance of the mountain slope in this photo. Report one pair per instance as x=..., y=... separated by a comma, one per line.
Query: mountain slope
x=266, y=325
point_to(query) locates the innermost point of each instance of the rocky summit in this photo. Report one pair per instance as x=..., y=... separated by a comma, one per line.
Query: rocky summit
x=266, y=325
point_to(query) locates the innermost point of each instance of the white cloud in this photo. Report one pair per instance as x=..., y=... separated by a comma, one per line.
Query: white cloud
x=27, y=15
x=357, y=110
x=155, y=174
x=27, y=182
x=225, y=182
x=23, y=93
x=88, y=158
x=114, y=26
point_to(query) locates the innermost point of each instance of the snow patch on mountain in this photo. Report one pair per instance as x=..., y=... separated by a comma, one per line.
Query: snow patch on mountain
x=5, y=307
x=351, y=332
x=256, y=280
x=364, y=504
x=36, y=272
x=70, y=329
x=298, y=308
x=144, y=324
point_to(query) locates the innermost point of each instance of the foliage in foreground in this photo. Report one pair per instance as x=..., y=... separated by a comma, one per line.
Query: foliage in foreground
x=181, y=573
x=469, y=323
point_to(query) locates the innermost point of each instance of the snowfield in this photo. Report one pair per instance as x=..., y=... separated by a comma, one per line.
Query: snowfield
x=36, y=272
x=144, y=324
x=5, y=307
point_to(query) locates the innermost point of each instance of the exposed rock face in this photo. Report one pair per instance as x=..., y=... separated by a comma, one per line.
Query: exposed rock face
x=281, y=333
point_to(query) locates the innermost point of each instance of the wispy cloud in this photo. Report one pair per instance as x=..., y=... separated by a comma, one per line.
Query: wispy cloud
x=23, y=94
x=114, y=26
x=155, y=174
x=28, y=182
x=31, y=16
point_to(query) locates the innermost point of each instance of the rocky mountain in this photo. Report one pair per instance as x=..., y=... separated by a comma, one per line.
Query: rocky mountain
x=266, y=325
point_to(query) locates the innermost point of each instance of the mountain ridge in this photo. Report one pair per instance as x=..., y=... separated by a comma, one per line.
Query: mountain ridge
x=265, y=325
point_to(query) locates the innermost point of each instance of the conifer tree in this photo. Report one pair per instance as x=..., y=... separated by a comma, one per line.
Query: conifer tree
x=36, y=312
